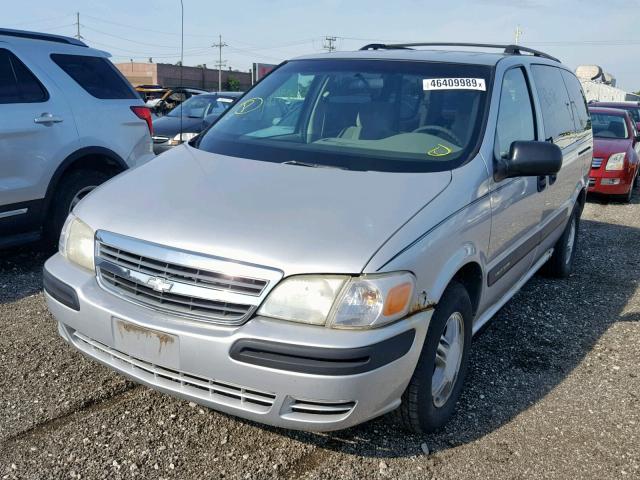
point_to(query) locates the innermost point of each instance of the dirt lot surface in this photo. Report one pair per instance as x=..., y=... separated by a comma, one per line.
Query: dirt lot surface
x=553, y=392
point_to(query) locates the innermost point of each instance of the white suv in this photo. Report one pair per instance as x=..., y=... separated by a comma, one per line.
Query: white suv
x=68, y=122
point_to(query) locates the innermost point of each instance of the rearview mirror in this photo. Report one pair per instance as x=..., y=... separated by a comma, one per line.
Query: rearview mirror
x=529, y=159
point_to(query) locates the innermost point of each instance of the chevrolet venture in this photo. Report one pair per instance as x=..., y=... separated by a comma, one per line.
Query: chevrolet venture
x=325, y=251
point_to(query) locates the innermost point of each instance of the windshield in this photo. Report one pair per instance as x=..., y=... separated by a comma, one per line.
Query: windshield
x=358, y=114
x=609, y=126
x=200, y=106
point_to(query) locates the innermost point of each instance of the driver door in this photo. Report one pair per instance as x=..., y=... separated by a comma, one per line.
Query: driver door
x=516, y=203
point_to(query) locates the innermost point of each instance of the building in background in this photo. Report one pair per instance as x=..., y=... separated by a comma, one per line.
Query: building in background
x=600, y=86
x=167, y=75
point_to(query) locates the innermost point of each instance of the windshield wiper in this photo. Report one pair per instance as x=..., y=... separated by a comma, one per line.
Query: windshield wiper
x=312, y=165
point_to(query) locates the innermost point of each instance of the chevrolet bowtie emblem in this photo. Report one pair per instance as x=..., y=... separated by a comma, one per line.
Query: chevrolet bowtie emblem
x=160, y=284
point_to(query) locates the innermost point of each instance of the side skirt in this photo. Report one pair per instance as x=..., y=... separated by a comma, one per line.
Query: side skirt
x=487, y=315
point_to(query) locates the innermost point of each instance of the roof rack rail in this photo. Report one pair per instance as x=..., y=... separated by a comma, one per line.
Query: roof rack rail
x=508, y=49
x=41, y=36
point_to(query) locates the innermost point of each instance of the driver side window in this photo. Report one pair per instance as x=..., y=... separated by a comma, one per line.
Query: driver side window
x=515, y=115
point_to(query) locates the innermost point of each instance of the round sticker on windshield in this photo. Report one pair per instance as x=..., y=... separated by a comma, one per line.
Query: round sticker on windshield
x=249, y=106
x=439, y=151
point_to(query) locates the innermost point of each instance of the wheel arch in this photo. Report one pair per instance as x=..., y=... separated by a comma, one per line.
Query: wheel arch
x=96, y=158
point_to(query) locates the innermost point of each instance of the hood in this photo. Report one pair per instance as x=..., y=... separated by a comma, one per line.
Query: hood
x=294, y=218
x=170, y=126
x=605, y=147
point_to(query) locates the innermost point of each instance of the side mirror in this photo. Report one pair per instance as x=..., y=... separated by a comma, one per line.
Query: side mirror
x=529, y=159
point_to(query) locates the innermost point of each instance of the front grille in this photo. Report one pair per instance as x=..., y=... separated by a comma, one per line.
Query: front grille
x=180, y=273
x=596, y=163
x=193, y=385
x=179, y=304
x=592, y=182
x=181, y=283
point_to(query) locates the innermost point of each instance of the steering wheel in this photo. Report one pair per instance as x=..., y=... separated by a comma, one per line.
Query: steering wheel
x=437, y=128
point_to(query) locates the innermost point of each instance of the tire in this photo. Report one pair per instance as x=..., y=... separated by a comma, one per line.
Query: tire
x=560, y=265
x=71, y=188
x=421, y=411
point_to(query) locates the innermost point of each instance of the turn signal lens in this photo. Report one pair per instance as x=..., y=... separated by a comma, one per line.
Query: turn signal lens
x=397, y=299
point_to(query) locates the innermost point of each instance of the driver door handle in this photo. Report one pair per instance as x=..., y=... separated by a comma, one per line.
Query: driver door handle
x=47, y=119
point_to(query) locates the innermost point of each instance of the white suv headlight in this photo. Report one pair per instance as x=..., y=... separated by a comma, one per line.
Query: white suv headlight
x=616, y=162
x=339, y=301
x=77, y=242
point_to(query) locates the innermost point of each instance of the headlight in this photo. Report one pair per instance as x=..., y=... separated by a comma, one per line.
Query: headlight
x=77, y=242
x=341, y=301
x=616, y=161
x=185, y=138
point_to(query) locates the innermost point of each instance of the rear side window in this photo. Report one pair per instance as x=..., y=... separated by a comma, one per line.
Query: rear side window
x=555, y=104
x=17, y=83
x=96, y=75
x=578, y=102
x=515, y=116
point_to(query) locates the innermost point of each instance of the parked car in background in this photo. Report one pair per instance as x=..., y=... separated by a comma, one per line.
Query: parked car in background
x=68, y=122
x=632, y=107
x=150, y=92
x=616, y=145
x=171, y=98
x=189, y=118
x=318, y=277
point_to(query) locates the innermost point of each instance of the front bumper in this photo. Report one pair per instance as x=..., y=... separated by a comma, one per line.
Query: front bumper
x=601, y=181
x=202, y=367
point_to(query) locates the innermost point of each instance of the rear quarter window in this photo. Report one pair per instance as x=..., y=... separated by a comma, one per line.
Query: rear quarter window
x=96, y=75
x=578, y=101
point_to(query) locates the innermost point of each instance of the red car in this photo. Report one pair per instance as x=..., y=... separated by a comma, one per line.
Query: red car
x=616, y=145
x=632, y=107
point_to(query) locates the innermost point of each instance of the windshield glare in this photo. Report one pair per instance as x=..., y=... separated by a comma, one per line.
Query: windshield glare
x=358, y=114
x=200, y=106
x=609, y=126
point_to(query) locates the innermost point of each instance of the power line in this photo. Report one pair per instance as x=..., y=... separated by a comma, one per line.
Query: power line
x=220, y=45
x=45, y=20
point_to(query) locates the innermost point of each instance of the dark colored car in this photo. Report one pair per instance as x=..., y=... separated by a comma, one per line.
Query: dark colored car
x=163, y=103
x=197, y=113
x=616, y=145
x=632, y=107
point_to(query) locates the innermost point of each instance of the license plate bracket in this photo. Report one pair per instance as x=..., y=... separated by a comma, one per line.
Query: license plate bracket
x=153, y=346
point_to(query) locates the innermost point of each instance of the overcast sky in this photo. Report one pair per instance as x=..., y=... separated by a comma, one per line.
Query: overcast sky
x=606, y=33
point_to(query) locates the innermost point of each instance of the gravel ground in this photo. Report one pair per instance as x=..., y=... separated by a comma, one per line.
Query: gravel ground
x=553, y=392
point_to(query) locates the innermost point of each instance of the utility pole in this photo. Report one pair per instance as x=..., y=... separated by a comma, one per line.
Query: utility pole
x=329, y=44
x=77, y=35
x=519, y=33
x=220, y=63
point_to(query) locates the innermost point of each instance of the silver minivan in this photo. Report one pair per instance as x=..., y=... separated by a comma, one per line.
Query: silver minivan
x=324, y=253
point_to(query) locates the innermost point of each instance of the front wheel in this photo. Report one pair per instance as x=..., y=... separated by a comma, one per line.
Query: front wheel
x=436, y=384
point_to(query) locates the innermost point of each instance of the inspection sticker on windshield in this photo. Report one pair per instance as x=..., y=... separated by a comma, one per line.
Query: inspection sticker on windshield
x=454, y=84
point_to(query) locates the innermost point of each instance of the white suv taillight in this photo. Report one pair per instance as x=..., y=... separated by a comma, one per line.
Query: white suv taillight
x=144, y=113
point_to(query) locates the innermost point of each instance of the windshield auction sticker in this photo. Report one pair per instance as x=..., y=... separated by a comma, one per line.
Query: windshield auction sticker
x=454, y=84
